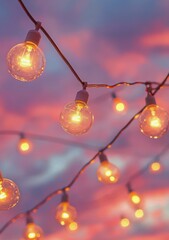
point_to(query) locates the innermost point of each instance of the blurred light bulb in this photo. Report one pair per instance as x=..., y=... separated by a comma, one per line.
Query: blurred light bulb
x=135, y=198
x=24, y=145
x=124, y=222
x=107, y=172
x=154, y=120
x=26, y=61
x=139, y=213
x=155, y=167
x=76, y=118
x=9, y=194
x=120, y=105
x=33, y=232
x=65, y=213
x=73, y=226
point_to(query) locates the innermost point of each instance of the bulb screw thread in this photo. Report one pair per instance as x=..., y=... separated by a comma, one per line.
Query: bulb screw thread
x=33, y=36
x=103, y=158
x=29, y=219
x=150, y=99
x=65, y=197
x=82, y=96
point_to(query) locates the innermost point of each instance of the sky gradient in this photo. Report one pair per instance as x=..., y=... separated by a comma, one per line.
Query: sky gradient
x=106, y=42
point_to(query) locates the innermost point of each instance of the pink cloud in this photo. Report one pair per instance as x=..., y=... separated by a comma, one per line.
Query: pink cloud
x=159, y=39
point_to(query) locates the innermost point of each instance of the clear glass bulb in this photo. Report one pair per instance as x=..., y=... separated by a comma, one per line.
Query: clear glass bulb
x=65, y=213
x=33, y=232
x=9, y=194
x=26, y=61
x=108, y=172
x=135, y=198
x=124, y=222
x=155, y=167
x=76, y=118
x=139, y=213
x=119, y=105
x=24, y=145
x=154, y=121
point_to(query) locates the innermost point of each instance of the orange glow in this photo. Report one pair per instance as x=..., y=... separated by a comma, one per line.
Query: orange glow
x=135, y=198
x=65, y=213
x=33, y=232
x=139, y=213
x=73, y=226
x=125, y=222
x=25, y=60
x=155, y=167
x=119, y=105
x=108, y=172
x=24, y=145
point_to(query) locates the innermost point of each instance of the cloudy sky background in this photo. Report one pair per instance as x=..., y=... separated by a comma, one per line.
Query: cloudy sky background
x=106, y=42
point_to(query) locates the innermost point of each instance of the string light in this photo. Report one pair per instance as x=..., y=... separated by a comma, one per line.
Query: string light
x=9, y=193
x=139, y=213
x=153, y=120
x=76, y=118
x=158, y=87
x=107, y=172
x=24, y=145
x=124, y=222
x=119, y=105
x=65, y=213
x=155, y=167
x=32, y=231
x=134, y=197
x=26, y=60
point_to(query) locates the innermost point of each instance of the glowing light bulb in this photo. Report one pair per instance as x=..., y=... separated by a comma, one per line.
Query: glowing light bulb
x=120, y=105
x=73, y=226
x=124, y=222
x=9, y=194
x=24, y=146
x=33, y=232
x=65, y=213
x=155, y=167
x=153, y=120
x=139, y=213
x=26, y=61
x=76, y=118
x=107, y=172
x=135, y=198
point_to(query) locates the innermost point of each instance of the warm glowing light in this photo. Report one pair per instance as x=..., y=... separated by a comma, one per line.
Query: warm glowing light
x=24, y=145
x=139, y=213
x=26, y=61
x=65, y=213
x=33, y=232
x=155, y=167
x=76, y=118
x=154, y=121
x=125, y=222
x=108, y=172
x=119, y=105
x=9, y=194
x=135, y=198
x=73, y=226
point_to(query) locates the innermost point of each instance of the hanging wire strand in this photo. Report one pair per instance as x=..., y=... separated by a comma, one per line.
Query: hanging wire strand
x=48, y=139
x=67, y=188
x=119, y=84
x=52, y=42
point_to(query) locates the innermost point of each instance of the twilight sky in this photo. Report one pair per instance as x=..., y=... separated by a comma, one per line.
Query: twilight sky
x=106, y=42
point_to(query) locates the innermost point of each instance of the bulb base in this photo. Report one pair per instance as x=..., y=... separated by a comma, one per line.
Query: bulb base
x=33, y=36
x=82, y=96
x=103, y=158
x=64, y=197
x=150, y=100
